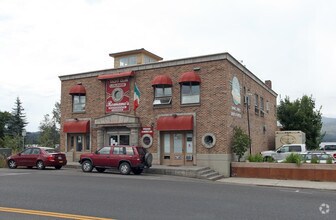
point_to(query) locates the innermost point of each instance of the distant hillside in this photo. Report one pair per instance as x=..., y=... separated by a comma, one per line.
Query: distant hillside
x=329, y=126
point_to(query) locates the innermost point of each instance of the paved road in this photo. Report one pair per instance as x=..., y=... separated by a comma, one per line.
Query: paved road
x=148, y=196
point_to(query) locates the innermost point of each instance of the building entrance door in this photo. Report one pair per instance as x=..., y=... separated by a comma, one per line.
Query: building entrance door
x=173, y=148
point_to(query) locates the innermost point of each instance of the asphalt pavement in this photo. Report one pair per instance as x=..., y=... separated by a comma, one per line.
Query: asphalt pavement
x=302, y=184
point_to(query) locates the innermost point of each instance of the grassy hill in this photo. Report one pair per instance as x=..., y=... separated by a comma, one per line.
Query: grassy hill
x=329, y=126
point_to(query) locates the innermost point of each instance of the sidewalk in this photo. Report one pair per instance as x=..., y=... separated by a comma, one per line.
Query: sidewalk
x=186, y=171
x=281, y=183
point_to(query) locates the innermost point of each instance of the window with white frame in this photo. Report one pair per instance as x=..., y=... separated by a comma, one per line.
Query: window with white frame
x=256, y=103
x=262, y=112
x=190, y=92
x=162, y=94
x=148, y=59
x=127, y=61
x=78, y=102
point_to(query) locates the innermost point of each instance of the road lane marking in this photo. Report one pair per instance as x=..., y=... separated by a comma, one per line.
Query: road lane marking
x=51, y=214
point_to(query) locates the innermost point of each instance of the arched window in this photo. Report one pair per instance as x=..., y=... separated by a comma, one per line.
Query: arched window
x=162, y=90
x=190, y=88
x=78, y=94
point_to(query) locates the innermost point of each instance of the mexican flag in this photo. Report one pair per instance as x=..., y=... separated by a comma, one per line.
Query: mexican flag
x=136, y=97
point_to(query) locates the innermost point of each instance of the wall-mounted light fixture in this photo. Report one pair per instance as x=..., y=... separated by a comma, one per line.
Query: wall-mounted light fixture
x=197, y=68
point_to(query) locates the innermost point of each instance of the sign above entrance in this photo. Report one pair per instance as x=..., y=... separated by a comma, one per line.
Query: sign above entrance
x=117, y=95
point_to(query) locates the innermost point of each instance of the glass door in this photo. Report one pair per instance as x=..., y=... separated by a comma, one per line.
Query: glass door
x=178, y=149
x=119, y=139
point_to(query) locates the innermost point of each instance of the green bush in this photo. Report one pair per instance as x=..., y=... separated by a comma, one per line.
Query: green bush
x=314, y=160
x=255, y=158
x=269, y=159
x=329, y=161
x=2, y=161
x=240, y=142
x=294, y=158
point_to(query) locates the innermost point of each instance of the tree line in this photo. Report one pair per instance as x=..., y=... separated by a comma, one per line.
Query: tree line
x=12, y=128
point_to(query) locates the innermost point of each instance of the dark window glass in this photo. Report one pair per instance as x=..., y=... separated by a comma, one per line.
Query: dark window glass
x=79, y=103
x=104, y=150
x=190, y=93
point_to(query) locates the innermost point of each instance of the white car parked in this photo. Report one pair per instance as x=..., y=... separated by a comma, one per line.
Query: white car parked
x=329, y=147
x=284, y=151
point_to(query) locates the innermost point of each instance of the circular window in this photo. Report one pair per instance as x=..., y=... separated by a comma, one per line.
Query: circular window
x=117, y=94
x=146, y=141
x=209, y=140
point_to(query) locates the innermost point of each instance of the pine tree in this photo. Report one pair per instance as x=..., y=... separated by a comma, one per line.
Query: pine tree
x=18, y=120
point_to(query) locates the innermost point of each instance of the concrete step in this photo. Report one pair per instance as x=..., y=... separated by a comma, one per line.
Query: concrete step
x=209, y=174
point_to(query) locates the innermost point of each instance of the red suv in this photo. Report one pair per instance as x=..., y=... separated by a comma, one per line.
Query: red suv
x=124, y=158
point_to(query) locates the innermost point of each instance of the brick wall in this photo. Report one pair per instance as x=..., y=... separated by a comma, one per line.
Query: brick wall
x=213, y=114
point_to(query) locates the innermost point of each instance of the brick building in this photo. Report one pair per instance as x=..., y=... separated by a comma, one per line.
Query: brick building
x=185, y=113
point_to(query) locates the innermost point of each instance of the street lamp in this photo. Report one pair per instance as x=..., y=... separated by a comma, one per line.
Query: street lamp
x=23, y=136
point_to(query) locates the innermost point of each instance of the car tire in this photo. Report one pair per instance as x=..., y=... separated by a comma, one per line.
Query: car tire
x=40, y=165
x=87, y=166
x=58, y=167
x=148, y=159
x=125, y=168
x=137, y=171
x=12, y=164
x=100, y=170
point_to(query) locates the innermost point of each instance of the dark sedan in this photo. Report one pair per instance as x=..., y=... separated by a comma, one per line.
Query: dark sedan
x=39, y=157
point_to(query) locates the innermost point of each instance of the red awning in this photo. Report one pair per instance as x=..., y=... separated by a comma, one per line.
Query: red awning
x=77, y=89
x=82, y=126
x=162, y=80
x=116, y=75
x=175, y=123
x=189, y=77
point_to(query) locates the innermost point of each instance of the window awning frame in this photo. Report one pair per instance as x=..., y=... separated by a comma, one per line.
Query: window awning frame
x=76, y=126
x=162, y=80
x=189, y=77
x=175, y=123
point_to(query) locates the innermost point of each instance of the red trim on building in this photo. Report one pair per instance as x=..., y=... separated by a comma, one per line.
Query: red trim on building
x=189, y=77
x=175, y=123
x=77, y=89
x=162, y=80
x=82, y=126
x=116, y=75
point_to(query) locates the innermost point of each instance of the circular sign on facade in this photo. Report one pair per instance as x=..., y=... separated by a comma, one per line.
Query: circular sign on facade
x=236, y=91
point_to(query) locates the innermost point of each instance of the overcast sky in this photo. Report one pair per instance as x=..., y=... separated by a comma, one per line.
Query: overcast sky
x=290, y=42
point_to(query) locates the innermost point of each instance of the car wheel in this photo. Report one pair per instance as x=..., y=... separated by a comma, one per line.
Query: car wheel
x=148, y=159
x=40, y=165
x=137, y=171
x=87, y=166
x=100, y=170
x=12, y=164
x=125, y=168
x=58, y=167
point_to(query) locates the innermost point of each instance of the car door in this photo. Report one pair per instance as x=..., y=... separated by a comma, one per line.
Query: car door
x=23, y=157
x=102, y=157
x=281, y=153
x=33, y=156
x=115, y=156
